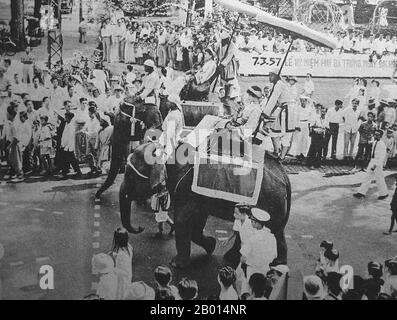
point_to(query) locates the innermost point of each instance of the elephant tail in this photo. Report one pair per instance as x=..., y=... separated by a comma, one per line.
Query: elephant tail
x=114, y=170
x=125, y=211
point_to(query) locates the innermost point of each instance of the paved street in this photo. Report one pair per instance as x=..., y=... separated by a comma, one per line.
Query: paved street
x=58, y=223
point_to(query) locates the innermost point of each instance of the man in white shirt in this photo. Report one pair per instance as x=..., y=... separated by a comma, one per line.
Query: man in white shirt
x=375, y=169
x=37, y=92
x=333, y=119
x=391, y=46
x=91, y=129
x=115, y=100
x=106, y=36
x=57, y=94
x=308, y=87
x=301, y=136
x=268, y=43
x=131, y=76
x=68, y=146
x=351, y=123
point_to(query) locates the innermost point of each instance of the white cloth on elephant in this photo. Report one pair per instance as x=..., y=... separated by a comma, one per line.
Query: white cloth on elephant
x=172, y=129
x=204, y=129
x=259, y=250
x=205, y=72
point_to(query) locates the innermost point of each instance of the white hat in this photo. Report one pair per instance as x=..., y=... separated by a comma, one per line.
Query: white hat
x=149, y=63
x=114, y=78
x=102, y=263
x=282, y=268
x=274, y=70
x=313, y=287
x=120, y=88
x=260, y=215
x=139, y=291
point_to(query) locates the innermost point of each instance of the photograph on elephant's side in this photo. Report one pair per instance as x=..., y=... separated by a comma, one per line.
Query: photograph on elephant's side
x=205, y=150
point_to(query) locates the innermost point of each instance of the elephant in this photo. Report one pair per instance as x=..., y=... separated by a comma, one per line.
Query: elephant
x=192, y=210
x=149, y=114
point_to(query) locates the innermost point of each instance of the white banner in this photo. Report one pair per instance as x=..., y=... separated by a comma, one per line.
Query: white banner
x=327, y=65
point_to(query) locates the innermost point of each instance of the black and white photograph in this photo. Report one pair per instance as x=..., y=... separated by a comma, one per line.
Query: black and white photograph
x=205, y=150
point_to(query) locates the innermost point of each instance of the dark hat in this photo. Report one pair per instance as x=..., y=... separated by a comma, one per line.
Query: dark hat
x=391, y=264
x=332, y=255
x=255, y=91
x=327, y=245
x=389, y=131
x=23, y=113
x=371, y=102
x=375, y=268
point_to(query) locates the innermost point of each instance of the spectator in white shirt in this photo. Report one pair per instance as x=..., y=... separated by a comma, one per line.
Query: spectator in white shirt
x=308, y=87
x=131, y=76
x=91, y=129
x=347, y=43
x=106, y=36
x=37, y=93
x=333, y=119
x=351, y=123
x=68, y=144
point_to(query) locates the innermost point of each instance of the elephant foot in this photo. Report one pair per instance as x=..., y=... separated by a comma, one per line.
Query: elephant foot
x=277, y=262
x=210, y=246
x=233, y=257
x=133, y=230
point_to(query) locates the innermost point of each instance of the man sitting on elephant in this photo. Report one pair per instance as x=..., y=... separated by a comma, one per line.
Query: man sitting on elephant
x=199, y=83
x=239, y=127
x=151, y=83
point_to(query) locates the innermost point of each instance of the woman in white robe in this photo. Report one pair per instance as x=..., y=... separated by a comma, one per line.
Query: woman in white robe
x=130, y=46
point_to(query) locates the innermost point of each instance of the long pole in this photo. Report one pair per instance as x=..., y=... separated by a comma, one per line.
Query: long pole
x=227, y=50
x=80, y=10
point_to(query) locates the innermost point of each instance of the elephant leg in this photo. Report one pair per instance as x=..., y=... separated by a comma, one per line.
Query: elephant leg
x=234, y=255
x=281, y=248
x=198, y=237
x=125, y=210
x=183, y=220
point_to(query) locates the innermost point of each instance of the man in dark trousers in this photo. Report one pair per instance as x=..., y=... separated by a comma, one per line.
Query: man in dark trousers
x=393, y=207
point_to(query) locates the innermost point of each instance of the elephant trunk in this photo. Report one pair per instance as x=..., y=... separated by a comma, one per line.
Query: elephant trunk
x=125, y=211
x=113, y=171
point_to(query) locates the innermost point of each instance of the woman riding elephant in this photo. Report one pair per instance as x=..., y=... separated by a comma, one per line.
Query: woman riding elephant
x=199, y=83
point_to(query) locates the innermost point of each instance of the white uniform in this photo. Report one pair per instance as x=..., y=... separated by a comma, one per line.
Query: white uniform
x=172, y=129
x=301, y=138
x=279, y=106
x=377, y=157
x=150, y=86
x=259, y=250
